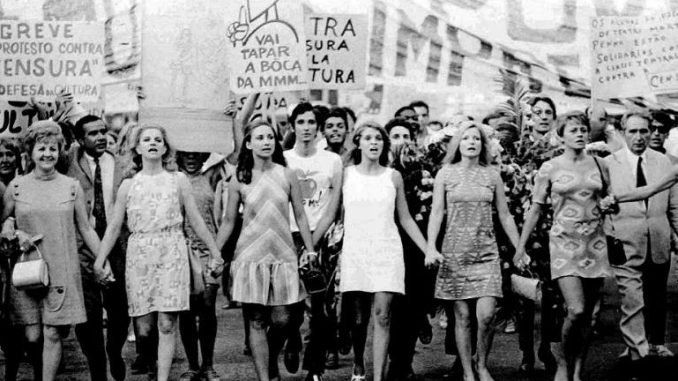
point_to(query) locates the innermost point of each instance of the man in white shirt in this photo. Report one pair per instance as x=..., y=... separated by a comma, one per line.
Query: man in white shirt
x=645, y=228
x=100, y=175
x=319, y=173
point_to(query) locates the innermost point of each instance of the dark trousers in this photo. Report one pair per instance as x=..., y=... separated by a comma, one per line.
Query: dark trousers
x=654, y=279
x=91, y=333
x=408, y=312
x=316, y=349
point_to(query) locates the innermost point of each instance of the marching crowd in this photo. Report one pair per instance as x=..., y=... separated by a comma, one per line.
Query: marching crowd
x=317, y=217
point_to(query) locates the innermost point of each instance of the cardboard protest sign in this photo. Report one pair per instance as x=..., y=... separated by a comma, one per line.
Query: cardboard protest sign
x=266, y=45
x=634, y=56
x=336, y=48
x=185, y=76
x=41, y=58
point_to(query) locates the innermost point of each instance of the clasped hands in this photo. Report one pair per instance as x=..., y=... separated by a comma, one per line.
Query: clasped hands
x=609, y=205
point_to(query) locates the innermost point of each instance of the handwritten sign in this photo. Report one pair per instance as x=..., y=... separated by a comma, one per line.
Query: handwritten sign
x=40, y=58
x=336, y=47
x=266, y=50
x=634, y=56
x=185, y=76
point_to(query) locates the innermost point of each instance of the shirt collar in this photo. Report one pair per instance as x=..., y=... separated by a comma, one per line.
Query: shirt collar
x=633, y=158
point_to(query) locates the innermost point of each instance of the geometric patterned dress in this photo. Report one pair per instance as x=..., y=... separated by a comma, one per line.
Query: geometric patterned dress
x=471, y=267
x=265, y=267
x=577, y=240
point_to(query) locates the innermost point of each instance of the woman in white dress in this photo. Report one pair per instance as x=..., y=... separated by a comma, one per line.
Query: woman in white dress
x=372, y=265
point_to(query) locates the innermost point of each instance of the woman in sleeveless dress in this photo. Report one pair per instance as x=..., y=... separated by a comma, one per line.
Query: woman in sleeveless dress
x=572, y=184
x=154, y=203
x=372, y=265
x=468, y=190
x=265, y=267
x=51, y=205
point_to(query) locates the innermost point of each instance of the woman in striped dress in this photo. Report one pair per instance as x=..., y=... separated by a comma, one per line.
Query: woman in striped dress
x=265, y=267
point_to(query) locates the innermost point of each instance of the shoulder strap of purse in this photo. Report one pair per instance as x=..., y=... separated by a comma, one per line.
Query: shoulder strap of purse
x=602, y=175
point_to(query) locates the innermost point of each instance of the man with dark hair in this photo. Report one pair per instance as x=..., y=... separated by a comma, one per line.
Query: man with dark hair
x=320, y=178
x=400, y=131
x=100, y=175
x=660, y=126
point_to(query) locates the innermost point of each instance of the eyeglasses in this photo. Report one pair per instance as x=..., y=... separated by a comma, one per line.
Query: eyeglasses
x=659, y=128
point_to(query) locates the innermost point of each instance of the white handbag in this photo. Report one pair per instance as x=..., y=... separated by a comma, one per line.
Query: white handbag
x=30, y=274
x=528, y=288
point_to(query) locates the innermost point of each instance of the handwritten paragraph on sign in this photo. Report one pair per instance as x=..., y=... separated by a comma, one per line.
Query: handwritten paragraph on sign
x=266, y=50
x=634, y=56
x=336, y=50
x=40, y=58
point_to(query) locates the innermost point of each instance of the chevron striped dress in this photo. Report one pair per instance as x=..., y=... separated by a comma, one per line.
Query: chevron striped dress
x=265, y=267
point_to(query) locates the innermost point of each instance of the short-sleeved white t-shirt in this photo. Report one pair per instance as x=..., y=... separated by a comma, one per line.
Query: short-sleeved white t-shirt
x=315, y=180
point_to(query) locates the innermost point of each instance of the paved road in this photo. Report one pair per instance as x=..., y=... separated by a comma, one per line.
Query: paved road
x=430, y=361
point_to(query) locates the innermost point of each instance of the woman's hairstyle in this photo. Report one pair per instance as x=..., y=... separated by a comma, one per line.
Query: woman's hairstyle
x=356, y=155
x=13, y=146
x=535, y=100
x=302, y=108
x=576, y=116
x=400, y=122
x=168, y=159
x=246, y=158
x=41, y=131
x=453, y=153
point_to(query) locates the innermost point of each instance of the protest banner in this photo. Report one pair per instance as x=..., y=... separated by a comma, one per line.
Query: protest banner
x=634, y=56
x=336, y=49
x=185, y=74
x=41, y=58
x=266, y=50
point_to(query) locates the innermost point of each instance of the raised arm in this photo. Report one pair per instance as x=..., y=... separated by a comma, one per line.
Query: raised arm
x=239, y=122
x=435, y=219
x=112, y=230
x=195, y=219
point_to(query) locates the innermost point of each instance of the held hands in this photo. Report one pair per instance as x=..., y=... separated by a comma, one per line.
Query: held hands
x=433, y=258
x=609, y=205
x=308, y=260
x=103, y=273
x=521, y=260
x=216, y=266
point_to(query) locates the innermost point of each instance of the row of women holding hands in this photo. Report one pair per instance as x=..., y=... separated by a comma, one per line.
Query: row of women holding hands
x=265, y=265
x=467, y=189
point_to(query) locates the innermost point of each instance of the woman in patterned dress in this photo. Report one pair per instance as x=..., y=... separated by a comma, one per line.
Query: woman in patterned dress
x=265, y=267
x=154, y=203
x=571, y=183
x=468, y=189
x=46, y=203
